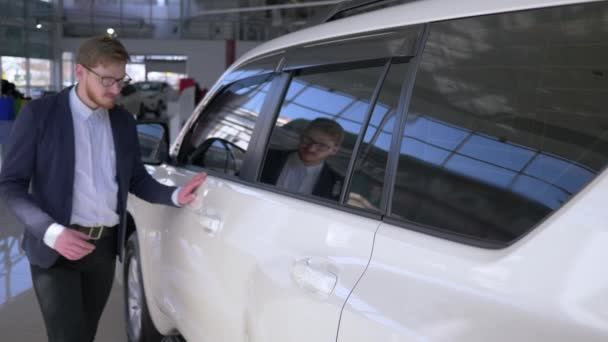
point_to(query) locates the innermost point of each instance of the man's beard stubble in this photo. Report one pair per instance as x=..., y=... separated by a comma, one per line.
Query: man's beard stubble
x=99, y=100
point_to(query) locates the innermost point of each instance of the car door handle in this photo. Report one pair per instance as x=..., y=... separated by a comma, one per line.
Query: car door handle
x=314, y=275
x=211, y=224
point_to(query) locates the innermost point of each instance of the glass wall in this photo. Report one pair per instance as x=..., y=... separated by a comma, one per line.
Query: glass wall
x=67, y=69
x=188, y=19
x=26, y=32
x=143, y=68
x=40, y=76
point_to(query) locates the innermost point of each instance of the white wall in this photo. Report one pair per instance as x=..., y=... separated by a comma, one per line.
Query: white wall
x=206, y=58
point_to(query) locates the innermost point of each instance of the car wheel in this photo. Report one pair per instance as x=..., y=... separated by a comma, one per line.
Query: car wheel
x=140, y=327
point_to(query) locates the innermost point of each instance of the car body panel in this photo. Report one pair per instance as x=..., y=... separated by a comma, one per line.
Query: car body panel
x=242, y=282
x=546, y=287
x=223, y=268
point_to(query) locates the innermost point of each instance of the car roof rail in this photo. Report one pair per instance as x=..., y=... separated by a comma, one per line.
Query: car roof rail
x=349, y=8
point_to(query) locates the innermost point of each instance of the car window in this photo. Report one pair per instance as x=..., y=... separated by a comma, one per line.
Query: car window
x=367, y=183
x=220, y=137
x=507, y=122
x=313, y=137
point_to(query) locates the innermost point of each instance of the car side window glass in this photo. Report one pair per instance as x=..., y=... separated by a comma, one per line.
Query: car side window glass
x=502, y=133
x=313, y=138
x=220, y=137
x=370, y=167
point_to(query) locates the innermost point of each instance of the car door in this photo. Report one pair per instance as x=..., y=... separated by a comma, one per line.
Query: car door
x=495, y=231
x=248, y=262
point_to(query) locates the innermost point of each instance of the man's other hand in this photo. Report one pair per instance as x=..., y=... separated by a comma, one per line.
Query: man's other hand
x=73, y=244
x=186, y=193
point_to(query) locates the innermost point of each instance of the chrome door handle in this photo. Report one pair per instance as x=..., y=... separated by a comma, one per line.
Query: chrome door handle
x=314, y=275
x=207, y=217
x=211, y=224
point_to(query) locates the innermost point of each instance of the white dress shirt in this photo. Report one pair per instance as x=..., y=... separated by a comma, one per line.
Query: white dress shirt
x=297, y=177
x=95, y=194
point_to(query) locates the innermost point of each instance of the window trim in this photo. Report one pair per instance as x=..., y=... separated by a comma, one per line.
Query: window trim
x=407, y=89
x=261, y=132
x=365, y=125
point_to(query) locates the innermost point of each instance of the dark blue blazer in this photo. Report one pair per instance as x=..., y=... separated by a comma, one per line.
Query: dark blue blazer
x=40, y=158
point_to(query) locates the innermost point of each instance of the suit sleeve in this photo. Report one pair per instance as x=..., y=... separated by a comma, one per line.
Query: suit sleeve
x=141, y=183
x=18, y=168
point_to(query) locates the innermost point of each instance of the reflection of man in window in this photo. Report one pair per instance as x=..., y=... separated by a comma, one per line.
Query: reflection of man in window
x=304, y=170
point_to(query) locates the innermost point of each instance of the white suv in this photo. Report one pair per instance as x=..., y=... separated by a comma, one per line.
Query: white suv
x=467, y=193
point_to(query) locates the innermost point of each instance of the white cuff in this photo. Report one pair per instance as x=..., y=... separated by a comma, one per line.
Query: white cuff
x=174, y=197
x=51, y=234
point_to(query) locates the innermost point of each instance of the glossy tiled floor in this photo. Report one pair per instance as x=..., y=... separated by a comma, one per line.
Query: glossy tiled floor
x=20, y=319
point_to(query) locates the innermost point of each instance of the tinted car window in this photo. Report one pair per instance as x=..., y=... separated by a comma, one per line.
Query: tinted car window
x=370, y=168
x=507, y=121
x=220, y=137
x=321, y=116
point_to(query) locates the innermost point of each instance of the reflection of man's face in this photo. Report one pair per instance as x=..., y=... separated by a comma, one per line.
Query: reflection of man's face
x=316, y=146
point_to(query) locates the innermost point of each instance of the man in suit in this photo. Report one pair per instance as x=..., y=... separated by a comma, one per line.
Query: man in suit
x=72, y=159
x=305, y=171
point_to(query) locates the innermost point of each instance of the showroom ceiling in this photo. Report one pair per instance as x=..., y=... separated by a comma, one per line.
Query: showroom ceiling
x=257, y=20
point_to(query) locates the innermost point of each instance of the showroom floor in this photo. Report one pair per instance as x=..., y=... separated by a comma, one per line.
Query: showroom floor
x=20, y=318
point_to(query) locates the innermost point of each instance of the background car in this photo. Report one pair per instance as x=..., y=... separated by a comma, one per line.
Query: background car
x=154, y=96
x=130, y=99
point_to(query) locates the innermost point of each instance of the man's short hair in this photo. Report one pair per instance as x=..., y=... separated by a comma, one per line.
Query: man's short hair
x=327, y=126
x=101, y=50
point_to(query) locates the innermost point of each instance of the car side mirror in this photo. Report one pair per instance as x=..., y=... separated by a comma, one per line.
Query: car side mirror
x=153, y=142
x=218, y=155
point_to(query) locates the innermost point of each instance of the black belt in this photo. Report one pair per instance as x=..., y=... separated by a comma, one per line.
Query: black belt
x=95, y=232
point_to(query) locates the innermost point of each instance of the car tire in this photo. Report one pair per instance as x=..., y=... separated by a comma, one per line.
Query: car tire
x=140, y=327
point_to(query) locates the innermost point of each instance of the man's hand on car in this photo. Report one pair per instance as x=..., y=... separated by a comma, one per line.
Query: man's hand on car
x=187, y=191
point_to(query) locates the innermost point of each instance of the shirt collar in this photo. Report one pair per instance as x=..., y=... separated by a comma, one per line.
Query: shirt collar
x=294, y=161
x=79, y=108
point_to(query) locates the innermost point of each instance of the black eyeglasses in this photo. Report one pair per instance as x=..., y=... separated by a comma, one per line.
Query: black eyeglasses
x=108, y=81
x=308, y=141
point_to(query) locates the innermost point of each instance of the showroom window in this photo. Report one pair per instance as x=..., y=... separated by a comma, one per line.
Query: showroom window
x=507, y=122
x=67, y=69
x=320, y=119
x=221, y=135
x=40, y=76
x=14, y=69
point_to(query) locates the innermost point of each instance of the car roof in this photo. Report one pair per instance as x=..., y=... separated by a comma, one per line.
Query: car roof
x=415, y=12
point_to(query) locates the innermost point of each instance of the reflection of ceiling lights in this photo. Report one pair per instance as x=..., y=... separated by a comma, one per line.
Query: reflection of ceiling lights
x=38, y=24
